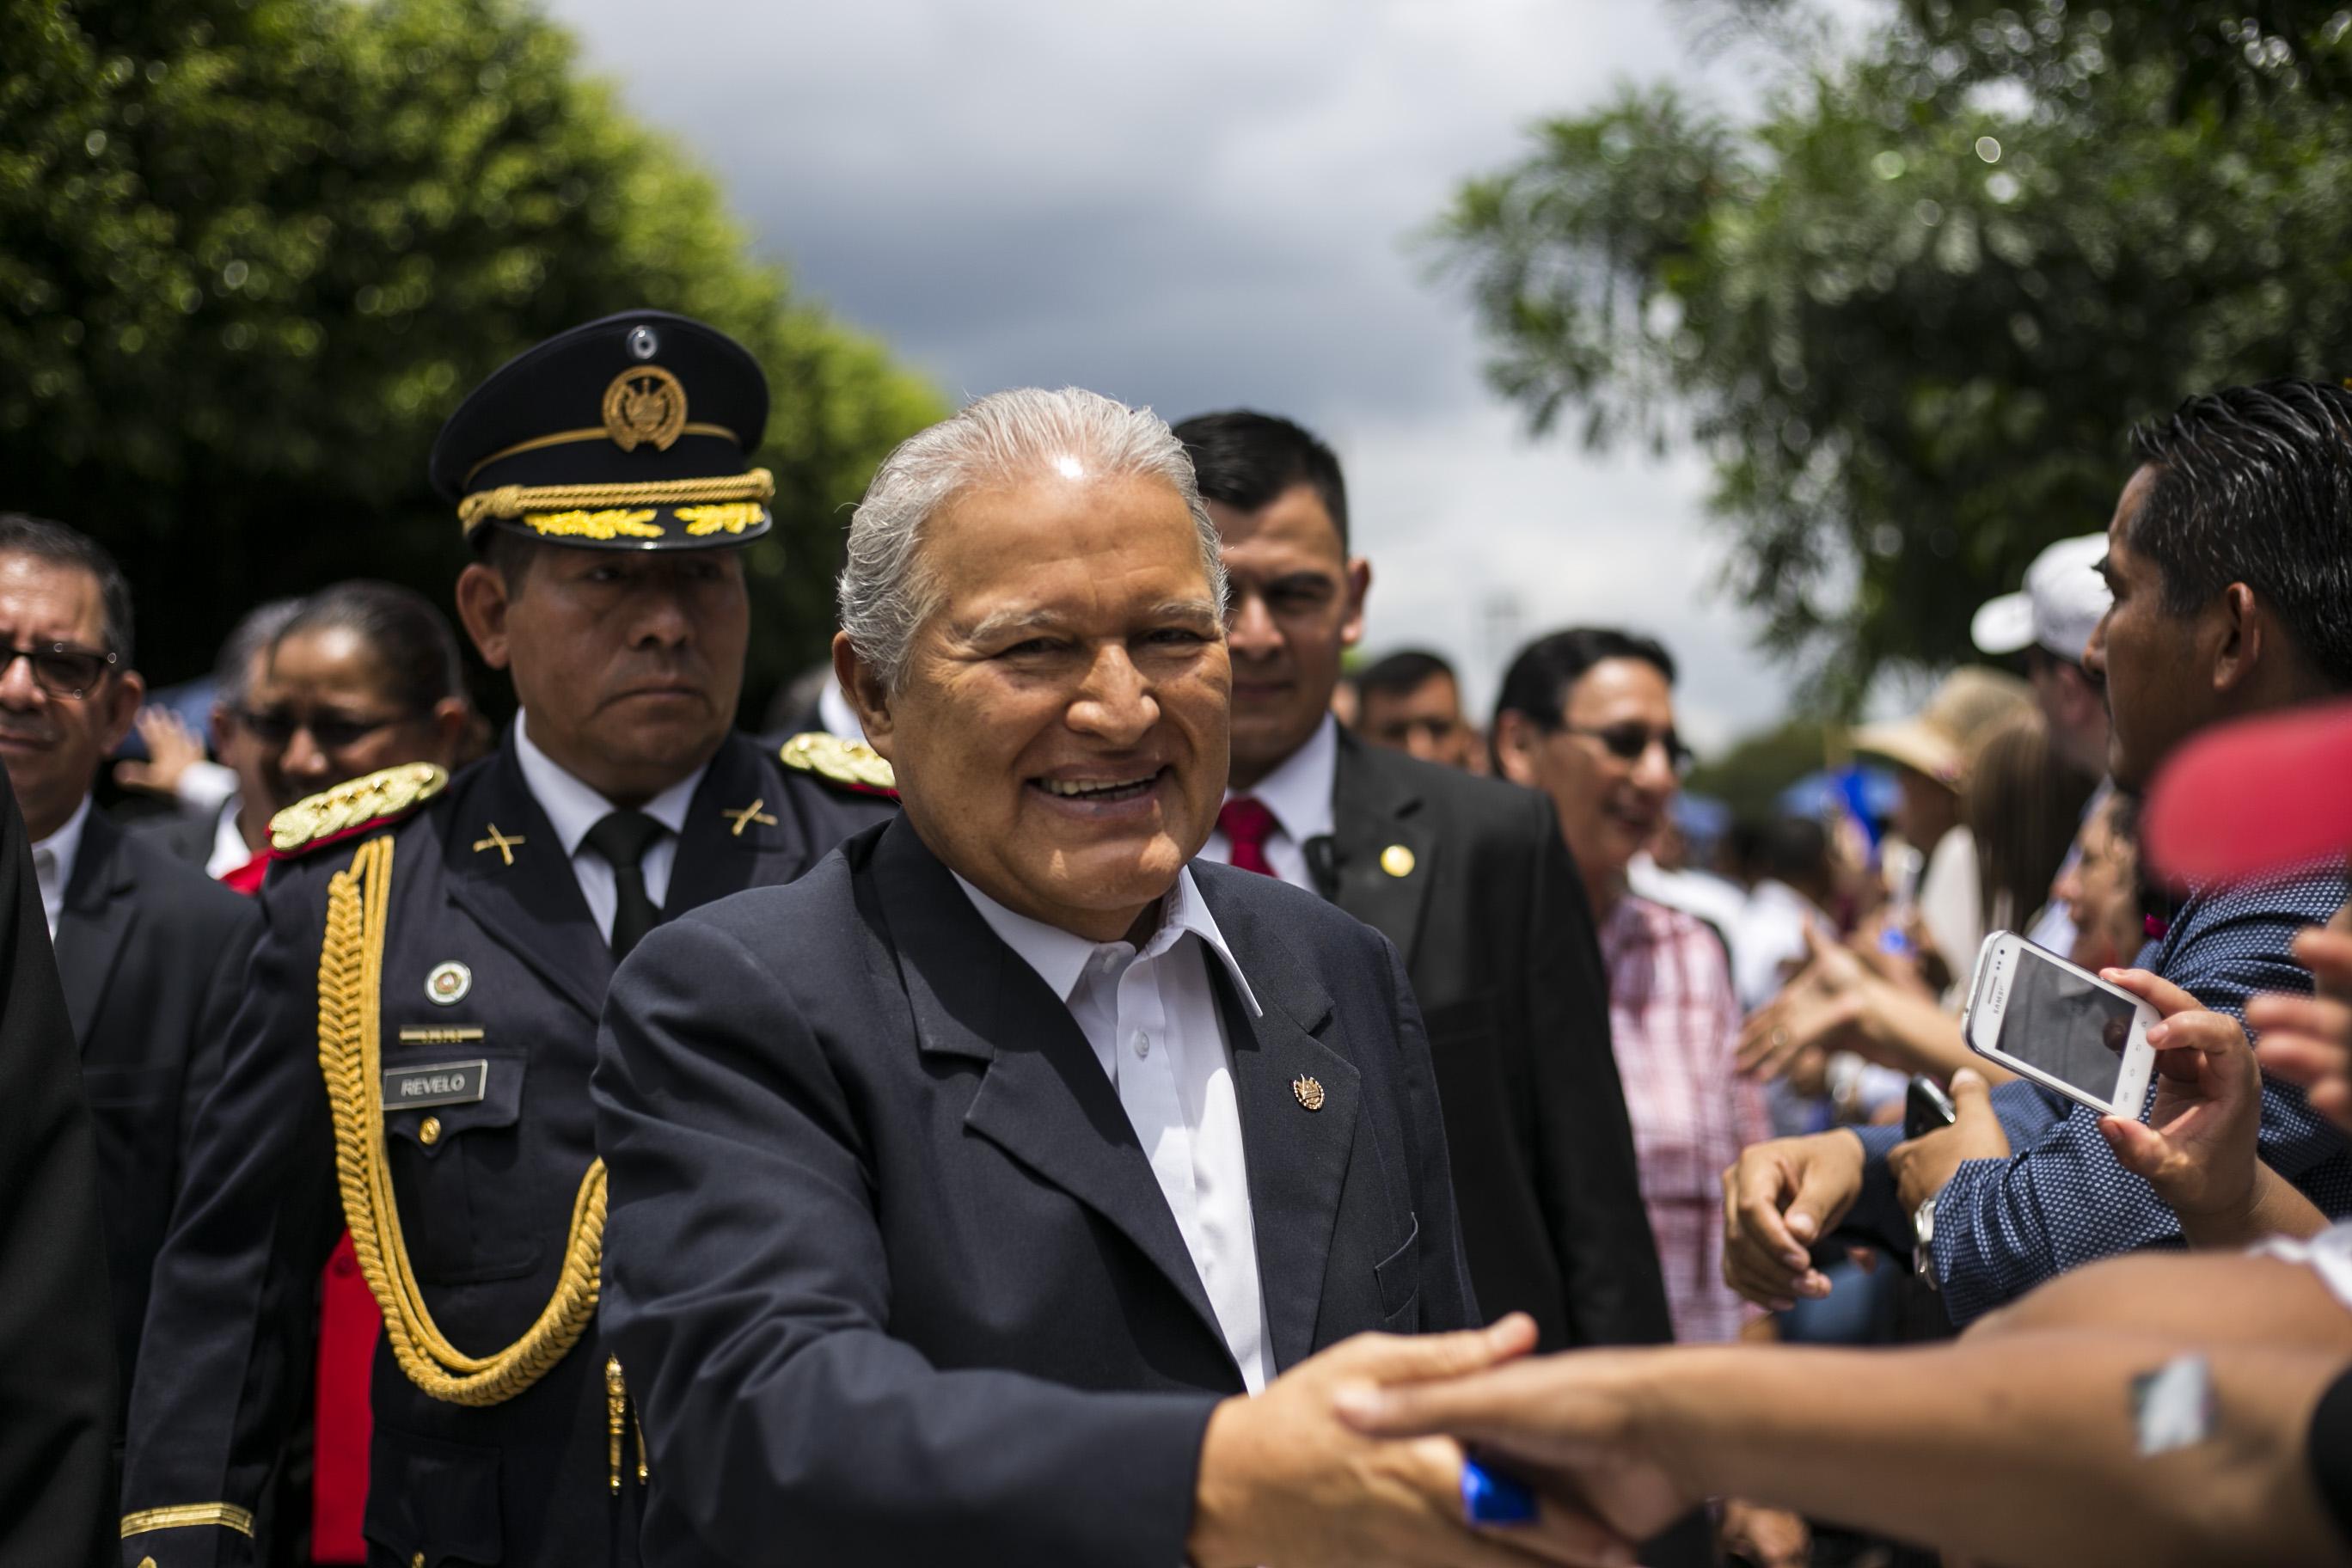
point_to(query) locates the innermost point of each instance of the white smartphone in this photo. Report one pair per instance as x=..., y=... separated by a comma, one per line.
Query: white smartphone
x=2060, y=1025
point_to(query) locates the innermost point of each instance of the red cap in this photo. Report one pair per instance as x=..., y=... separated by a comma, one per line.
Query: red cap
x=2255, y=796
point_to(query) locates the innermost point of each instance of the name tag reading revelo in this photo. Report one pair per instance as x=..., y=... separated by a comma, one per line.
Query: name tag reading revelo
x=444, y=1083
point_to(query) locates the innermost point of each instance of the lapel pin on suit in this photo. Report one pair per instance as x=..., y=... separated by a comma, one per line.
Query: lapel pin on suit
x=1397, y=861
x=743, y=817
x=506, y=844
x=1308, y=1090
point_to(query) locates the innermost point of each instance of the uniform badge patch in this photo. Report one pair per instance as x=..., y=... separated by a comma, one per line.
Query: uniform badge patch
x=447, y=984
x=443, y=1083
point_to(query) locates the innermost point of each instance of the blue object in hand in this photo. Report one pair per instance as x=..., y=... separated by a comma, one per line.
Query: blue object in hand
x=1491, y=1497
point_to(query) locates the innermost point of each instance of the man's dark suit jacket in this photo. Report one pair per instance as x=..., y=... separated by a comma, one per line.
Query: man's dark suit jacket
x=152, y=952
x=1498, y=938
x=186, y=835
x=57, y=1349
x=886, y=1264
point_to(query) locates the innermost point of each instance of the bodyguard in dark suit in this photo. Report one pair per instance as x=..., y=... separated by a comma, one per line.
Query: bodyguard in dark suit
x=1467, y=876
x=57, y=1355
x=963, y=1192
x=413, y=1056
x=149, y=952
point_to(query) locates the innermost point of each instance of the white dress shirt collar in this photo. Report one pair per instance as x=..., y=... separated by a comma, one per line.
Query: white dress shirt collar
x=1060, y=957
x=573, y=808
x=53, y=862
x=1298, y=791
x=229, y=848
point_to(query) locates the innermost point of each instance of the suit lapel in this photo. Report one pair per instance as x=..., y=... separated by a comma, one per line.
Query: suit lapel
x=97, y=915
x=1375, y=810
x=1298, y=1158
x=737, y=833
x=532, y=907
x=1045, y=1099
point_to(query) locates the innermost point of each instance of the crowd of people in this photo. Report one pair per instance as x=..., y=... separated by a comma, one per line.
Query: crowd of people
x=1111, y=1078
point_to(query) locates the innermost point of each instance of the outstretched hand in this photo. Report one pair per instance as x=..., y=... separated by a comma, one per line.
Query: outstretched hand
x=1566, y=1424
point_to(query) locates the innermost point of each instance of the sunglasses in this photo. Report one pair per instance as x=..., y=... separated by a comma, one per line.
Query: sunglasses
x=1631, y=742
x=275, y=726
x=62, y=669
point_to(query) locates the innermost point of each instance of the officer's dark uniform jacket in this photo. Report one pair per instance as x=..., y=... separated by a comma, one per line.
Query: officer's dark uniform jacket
x=492, y=973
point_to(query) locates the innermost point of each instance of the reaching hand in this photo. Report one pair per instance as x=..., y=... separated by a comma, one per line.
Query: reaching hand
x=1566, y=1424
x=1283, y=1480
x=1923, y=1165
x=2198, y=1146
x=2308, y=1039
x=1780, y=1198
x=171, y=750
x=1819, y=1009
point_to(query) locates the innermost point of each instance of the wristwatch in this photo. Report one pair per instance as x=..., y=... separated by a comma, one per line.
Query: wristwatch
x=1922, y=1242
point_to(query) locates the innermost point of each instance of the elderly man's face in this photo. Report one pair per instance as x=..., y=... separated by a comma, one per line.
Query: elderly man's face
x=1061, y=736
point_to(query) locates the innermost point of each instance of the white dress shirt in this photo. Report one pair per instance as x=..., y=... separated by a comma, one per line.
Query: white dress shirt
x=229, y=847
x=573, y=809
x=1152, y=1019
x=53, y=863
x=1298, y=793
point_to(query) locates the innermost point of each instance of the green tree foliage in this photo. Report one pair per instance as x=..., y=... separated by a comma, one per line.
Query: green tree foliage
x=252, y=252
x=1910, y=310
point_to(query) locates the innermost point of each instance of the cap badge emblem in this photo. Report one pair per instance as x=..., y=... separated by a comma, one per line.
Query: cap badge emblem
x=447, y=984
x=1308, y=1090
x=645, y=406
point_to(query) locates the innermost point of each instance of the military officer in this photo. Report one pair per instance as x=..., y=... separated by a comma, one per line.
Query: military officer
x=413, y=1056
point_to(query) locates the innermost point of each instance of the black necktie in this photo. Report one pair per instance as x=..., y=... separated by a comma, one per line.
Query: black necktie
x=622, y=838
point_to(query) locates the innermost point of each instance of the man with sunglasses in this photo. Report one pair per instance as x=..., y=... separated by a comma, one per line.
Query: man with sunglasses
x=1467, y=876
x=413, y=1056
x=149, y=949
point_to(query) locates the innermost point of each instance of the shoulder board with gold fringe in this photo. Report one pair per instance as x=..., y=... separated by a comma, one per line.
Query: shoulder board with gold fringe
x=354, y=806
x=850, y=765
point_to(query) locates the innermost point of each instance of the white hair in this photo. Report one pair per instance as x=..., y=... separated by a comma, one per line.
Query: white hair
x=887, y=593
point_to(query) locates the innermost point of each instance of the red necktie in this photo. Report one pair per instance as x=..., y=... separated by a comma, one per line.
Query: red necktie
x=1247, y=822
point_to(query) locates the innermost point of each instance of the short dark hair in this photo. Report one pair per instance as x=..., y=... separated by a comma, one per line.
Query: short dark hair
x=255, y=632
x=63, y=546
x=1406, y=670
x=1538, y=681
x=1245, y=459
x=2253, y=485
x=400, y=624
x=509, y=553
x=1793, y=849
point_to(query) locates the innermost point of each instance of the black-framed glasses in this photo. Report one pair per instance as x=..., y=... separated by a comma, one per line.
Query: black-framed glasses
x=62, y=669
x=275, y=726
x=1630, y=742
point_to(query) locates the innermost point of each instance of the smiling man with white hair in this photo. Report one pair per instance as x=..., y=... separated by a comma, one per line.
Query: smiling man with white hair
x=1003, y=1191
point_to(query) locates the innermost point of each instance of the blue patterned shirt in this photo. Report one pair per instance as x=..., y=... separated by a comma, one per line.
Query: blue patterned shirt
x=2004, y=1226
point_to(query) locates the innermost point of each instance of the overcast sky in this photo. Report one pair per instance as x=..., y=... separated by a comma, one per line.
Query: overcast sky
x=1210, y=204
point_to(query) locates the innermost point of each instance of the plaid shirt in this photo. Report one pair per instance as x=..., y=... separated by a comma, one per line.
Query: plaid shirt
x=1675, y=1019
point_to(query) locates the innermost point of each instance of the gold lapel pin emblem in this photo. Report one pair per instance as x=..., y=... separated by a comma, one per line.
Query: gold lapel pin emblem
x=1397, y=861
x=1308, y=1090
x=747, y=816
x=505, y=843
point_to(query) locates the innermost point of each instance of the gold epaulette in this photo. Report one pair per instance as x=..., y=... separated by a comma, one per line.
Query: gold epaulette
x=852, y=764
x=355, y=805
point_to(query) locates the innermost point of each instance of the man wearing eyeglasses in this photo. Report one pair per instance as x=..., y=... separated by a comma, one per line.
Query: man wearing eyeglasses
x=1469, y=879
x=150, y=950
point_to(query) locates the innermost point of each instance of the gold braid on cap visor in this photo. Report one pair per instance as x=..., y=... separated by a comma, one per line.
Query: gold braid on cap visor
x=737, y=496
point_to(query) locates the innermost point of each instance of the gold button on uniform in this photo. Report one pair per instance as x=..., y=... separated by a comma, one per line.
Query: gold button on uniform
x=428, y=1134
x=146, y=1562
x=418, y=1561
x=1397, y=861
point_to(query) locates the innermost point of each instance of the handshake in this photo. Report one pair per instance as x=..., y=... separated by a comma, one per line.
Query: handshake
x=1357, y=1456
